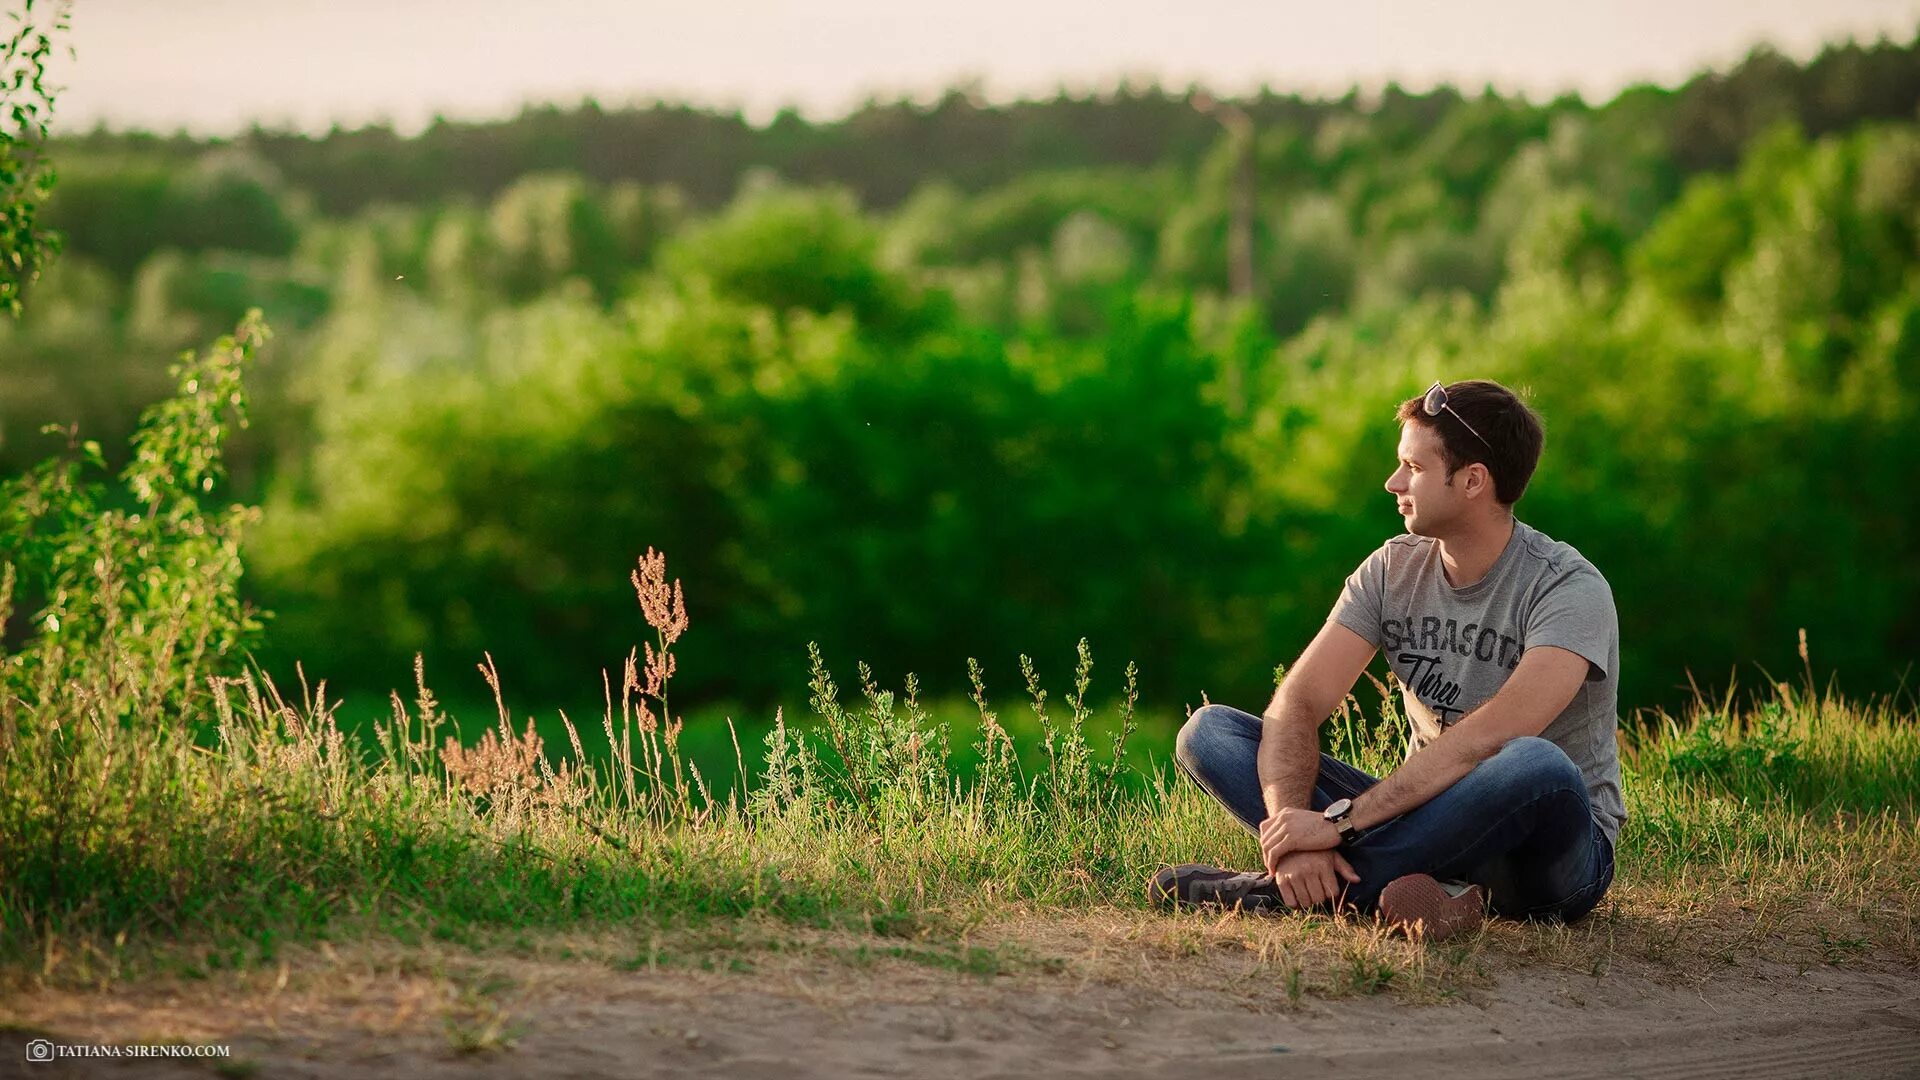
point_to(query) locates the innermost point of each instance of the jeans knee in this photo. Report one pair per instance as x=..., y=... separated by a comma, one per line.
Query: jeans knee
x=1532, y=755
x=1204, y=730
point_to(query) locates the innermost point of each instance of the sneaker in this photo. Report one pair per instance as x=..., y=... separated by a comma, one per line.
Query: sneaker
x=1424, y=906
x=1193, y=885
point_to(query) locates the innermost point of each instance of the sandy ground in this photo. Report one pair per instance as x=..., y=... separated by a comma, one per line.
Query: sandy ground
x=805, y=1016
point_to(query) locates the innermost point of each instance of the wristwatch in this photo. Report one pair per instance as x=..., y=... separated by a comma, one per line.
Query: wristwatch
x=1340, y=815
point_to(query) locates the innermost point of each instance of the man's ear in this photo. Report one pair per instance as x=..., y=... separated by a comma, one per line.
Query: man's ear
x=1479, y=480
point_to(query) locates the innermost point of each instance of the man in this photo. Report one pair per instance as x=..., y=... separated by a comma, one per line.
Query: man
x=1507, y=650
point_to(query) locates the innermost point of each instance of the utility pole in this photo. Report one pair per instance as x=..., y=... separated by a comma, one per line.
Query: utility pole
x=1239, y=127
x=1240, y=277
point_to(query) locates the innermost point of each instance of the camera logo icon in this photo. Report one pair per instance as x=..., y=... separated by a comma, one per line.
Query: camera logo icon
x=40, y=1050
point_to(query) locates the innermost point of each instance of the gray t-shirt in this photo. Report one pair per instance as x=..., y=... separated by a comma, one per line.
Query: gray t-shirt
x=1452, y=648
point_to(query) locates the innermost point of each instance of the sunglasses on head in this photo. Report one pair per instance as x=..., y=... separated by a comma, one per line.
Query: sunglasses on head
x=1436, y=402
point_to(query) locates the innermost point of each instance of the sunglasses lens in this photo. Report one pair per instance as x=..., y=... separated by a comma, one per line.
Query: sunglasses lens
x=1436, y=400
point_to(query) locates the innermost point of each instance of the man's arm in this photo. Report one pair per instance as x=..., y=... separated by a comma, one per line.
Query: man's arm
x=1539, y=688
x=1288, y=761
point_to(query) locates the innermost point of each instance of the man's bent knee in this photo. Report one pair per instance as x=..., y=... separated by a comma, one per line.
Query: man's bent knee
x=1531, y=755
x=1201, y=729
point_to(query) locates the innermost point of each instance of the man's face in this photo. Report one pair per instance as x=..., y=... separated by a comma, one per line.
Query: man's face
x=1428, y=503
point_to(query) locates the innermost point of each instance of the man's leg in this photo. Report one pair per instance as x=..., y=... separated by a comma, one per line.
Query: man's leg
x=1518, y=824
x=1566, y=887
x=1217, y=748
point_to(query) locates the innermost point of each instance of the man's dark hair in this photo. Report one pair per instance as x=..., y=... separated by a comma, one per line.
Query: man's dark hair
x=1513, y=433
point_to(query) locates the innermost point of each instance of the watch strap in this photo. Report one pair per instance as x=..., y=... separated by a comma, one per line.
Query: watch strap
x=1343, y=822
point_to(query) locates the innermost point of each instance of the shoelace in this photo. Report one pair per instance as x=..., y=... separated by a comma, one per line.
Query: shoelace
x=1237, y=888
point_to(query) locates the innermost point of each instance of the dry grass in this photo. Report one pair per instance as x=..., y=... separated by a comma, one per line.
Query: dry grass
x=1783, y=829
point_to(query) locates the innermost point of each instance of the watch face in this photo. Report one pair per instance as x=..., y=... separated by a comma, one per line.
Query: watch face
x=1339, y=809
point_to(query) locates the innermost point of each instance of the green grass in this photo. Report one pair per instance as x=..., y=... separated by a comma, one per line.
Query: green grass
x=909, y=831
x=151, y=816
x=711, y=731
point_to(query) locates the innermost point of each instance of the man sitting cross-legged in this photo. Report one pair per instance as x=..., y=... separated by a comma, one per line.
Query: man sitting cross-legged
x=1507, y=650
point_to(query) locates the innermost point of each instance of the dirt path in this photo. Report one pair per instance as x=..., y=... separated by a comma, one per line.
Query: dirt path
x=809, y=1018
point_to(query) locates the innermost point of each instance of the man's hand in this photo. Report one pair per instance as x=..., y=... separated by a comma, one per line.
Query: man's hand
x=1294, y=829
x=1310, y=878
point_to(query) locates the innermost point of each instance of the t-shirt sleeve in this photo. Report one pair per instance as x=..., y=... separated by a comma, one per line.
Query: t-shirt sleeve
x=1363, y=598
x=1576, y=614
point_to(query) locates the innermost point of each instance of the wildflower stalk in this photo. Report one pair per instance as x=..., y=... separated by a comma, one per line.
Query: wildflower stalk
x=1049, y=738
x=825, y=701
x=1110, y=774
x=664, y=607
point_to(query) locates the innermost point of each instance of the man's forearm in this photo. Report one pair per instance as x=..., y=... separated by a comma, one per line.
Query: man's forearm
x=1289, y=758
x=1435, y=768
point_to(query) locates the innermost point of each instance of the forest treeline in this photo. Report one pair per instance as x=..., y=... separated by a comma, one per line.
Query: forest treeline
x=956, y=380
x=885, y=151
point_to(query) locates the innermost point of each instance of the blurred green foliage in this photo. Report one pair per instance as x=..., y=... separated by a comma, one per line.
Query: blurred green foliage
x=966, y=380
x=26, y=113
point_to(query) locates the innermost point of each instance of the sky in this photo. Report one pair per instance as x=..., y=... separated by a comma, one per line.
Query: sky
x=218, y=66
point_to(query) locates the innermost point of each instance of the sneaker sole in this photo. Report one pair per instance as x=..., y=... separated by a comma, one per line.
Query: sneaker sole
x=1423, y=907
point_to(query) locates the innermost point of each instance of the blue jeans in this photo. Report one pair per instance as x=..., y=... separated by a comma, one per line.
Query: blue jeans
x=1519, y=824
